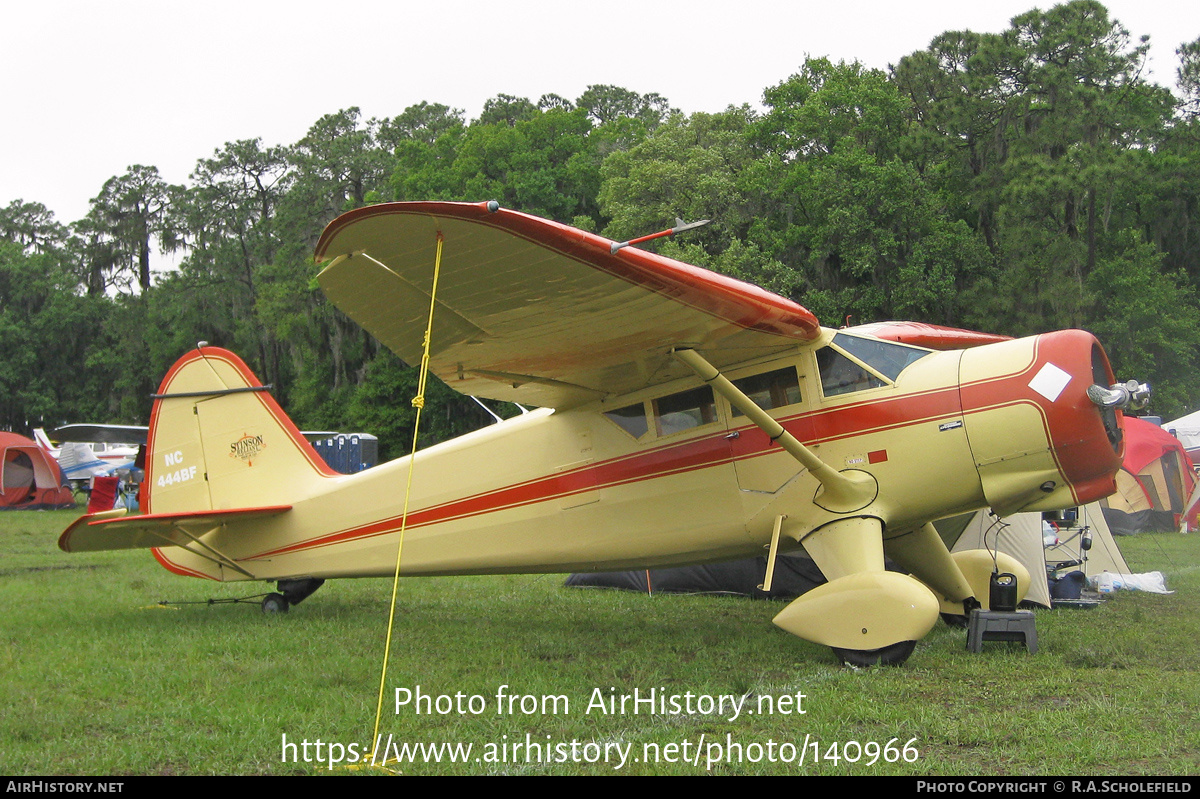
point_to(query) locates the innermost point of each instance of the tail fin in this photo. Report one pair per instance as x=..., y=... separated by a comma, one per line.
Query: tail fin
x=43, y=441
x=218, y=441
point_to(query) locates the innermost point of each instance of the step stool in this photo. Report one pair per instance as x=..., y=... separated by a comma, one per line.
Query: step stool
x=996, y=625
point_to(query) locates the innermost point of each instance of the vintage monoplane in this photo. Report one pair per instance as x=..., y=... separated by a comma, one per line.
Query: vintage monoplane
x=88, y=450
x=684, y=416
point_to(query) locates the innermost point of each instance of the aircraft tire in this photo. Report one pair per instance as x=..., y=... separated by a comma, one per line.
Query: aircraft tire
x=893, y=655
x=274, y=603
x=956, y=620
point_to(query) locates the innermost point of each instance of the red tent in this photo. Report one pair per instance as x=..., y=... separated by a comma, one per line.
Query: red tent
x=1154, y=483
x=29, y=478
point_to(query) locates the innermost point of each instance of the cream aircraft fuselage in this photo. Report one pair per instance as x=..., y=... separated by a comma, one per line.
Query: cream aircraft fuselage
x=573, y=491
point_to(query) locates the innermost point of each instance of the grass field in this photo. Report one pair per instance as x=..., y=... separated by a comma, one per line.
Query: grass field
x=98, y=679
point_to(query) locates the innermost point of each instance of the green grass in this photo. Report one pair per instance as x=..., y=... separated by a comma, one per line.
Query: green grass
x=97, y=679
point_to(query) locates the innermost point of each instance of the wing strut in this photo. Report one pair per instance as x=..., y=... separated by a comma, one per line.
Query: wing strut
x=841, y=492
x=774, y=550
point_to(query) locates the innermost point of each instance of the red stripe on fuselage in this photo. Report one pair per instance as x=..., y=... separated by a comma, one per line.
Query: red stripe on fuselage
x=663, y=462
x=872, y=416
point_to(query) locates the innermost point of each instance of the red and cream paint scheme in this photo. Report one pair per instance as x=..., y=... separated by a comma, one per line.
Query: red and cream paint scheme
x=683, y=417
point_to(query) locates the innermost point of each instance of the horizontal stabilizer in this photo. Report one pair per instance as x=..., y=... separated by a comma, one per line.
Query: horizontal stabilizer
x=112, y=530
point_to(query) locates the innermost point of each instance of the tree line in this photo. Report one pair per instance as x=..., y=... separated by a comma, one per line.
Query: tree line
x=1014, y=182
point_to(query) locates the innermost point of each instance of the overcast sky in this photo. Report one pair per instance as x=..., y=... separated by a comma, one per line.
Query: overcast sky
x=94, y=87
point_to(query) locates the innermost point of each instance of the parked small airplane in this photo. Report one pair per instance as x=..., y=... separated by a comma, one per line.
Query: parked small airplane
x=684, y=416
x=89, y=450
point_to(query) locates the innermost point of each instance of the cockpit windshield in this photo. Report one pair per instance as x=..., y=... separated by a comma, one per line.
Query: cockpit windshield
x=885, y=357
x=841, y=375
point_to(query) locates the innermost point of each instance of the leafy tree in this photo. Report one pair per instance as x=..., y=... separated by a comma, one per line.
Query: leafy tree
x=31, y=226
x=129, y=211
x=1167, y=201
x=605, y=104
x=1077, y=174
x=423, y=122
x=47, y=328
x=825, y=105
x=548, y=101
x=229, y=218
x=689, y=167
x=1036, y=130
x=337, y=165
x=504, y=109
x=424, y=141
x=858, y=229
x=1148, y=320
x=1188, y=74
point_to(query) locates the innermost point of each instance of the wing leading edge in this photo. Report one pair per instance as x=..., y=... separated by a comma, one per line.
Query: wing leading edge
x=532, y=311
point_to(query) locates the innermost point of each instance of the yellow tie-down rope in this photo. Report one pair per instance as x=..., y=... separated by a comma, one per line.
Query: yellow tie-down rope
x=419, y=403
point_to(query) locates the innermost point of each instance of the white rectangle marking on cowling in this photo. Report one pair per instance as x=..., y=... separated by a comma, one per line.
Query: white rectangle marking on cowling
x=1050, y=382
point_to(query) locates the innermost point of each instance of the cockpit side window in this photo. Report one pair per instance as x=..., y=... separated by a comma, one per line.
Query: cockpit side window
x=840, y=375
x=678, y=412
x=770, y=389
x=631, y=419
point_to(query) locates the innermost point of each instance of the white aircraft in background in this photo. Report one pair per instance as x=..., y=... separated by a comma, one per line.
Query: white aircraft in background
x=88, y=450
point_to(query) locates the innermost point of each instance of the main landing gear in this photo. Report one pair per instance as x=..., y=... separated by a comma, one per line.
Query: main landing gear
x=893, y=655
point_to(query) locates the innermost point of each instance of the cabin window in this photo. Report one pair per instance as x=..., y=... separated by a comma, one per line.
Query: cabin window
x=885, y=357
x=770, y=389
x=631, y=419
x=678, y=412
x=840, y=375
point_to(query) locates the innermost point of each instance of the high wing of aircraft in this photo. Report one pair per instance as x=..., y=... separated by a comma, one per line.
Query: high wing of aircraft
x=683, y=417
x=124, y=436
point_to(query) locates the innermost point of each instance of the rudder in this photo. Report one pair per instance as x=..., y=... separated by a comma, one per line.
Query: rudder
x=218, y=440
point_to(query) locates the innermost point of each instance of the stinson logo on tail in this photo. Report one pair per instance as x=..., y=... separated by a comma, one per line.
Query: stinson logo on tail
x=247, y=448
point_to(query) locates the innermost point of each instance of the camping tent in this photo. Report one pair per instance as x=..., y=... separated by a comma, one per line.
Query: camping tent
x=1187, y=430
x=1154, y=482
x=1020, y=536
x=1104, y=555
x=29, y=480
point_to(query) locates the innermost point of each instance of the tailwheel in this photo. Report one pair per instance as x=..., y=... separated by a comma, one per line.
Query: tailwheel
x=274, y=603
x=893, y=655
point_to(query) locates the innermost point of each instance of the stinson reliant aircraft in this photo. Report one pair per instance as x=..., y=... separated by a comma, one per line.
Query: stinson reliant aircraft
x=683, y=416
